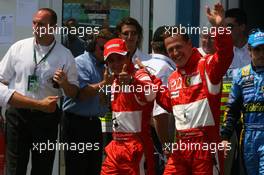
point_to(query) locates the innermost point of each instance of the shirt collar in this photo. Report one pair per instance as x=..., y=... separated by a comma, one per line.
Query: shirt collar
x=165, y=58
x=94, y=60
x=36, y=45
x=244, y=48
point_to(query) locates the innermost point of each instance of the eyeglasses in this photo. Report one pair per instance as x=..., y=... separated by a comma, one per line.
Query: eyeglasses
x=132, y=33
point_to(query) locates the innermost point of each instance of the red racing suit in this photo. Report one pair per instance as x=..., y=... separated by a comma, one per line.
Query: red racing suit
x=193, y=96
x=132, y=144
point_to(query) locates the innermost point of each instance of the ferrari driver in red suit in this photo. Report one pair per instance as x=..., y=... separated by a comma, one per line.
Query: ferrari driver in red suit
x=132, y=94
x=193, y=95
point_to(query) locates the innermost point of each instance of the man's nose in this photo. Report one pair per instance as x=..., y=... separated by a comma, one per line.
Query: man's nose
x=130, y=35
x=175, y=51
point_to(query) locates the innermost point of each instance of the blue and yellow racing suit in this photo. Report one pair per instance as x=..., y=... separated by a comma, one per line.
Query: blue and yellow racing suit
x=247, y=96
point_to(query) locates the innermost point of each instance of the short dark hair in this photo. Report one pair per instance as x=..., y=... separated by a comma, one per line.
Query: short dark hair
x=91, y=39
x=75, y=23
x=53, y=15
x=237, y=13
x=158, y=41
x=133, y=22
x=167, y=34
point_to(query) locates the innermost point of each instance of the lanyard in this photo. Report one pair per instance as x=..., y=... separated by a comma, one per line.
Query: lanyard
x=43, y=59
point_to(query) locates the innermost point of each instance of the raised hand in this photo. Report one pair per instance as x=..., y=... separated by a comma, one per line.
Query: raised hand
x=139, y=63
x=108, y=77
x=48, y=104
x=60, y=77
x=216, y=15
x=225, y=144
x=124, y=77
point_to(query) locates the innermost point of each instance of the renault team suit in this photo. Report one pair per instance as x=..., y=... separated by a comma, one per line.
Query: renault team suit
x=247, y=96
x=247, y=93
x=194, y=97
x=132, y=144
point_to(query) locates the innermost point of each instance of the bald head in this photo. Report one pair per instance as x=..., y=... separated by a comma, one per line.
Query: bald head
x=44, y=24
x=50, y=15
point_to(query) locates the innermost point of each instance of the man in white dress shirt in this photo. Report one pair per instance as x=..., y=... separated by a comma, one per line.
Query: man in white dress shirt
x=36, y=67
x=236, y=19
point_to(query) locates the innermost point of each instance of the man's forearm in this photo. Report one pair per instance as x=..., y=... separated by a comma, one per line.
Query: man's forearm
x=92, y=90
x=70, y=90
x=20, y=101
x=161, y=123
x=48, y=104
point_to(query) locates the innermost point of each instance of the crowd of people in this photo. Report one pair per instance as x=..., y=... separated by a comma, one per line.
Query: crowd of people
x=166, y=103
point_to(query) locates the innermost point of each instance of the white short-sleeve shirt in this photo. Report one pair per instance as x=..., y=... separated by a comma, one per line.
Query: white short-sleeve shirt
x=142, y=56
x=5, y=94
x=18, y=64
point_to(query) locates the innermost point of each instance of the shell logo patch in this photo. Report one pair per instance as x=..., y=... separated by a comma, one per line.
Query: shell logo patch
x=188, y=81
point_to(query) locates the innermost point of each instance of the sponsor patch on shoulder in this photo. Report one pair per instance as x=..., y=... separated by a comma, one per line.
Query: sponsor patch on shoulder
x=247, y=82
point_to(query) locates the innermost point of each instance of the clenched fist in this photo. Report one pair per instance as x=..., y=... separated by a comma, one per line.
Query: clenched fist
x=48, y=104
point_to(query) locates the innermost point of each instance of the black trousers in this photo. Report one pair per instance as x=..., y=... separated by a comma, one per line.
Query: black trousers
x=86, y=134
x=30, y=130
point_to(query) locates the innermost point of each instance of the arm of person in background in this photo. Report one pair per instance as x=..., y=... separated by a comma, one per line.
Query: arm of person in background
x=217, y=64
x=232, y=114
x=91, y=90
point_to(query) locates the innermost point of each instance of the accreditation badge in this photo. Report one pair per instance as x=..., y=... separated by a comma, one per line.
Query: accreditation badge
x=33, y=83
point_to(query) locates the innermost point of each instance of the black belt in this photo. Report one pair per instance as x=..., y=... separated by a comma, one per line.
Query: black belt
x=89, y=117
x=25, y=110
